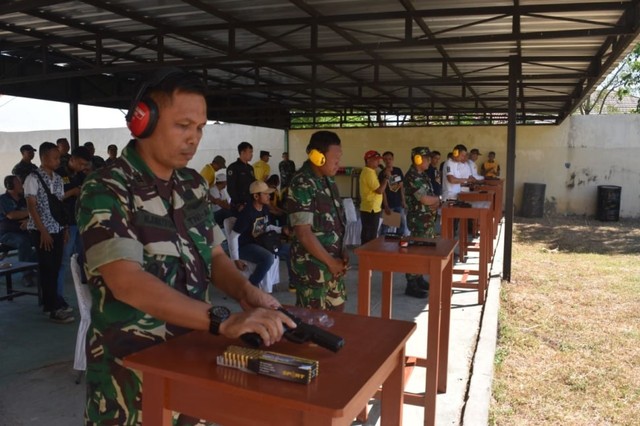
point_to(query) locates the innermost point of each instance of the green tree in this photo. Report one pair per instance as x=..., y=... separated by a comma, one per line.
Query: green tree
x=624, y=81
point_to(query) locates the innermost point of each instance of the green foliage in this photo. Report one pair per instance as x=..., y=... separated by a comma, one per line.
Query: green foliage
x=623, y=82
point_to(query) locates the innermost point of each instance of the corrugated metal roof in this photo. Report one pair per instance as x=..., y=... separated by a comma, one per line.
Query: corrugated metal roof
x=268, y=60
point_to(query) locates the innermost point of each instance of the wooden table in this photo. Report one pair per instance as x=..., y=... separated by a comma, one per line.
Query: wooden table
x=388, y=257
x=7, y=273
x=484, y=195
x=482, y=212
x=496, y=185
x=182, y=375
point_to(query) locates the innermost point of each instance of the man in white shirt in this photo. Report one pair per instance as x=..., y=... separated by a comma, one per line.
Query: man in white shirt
x=457, y=173
x=220, y=198
x=471, y=162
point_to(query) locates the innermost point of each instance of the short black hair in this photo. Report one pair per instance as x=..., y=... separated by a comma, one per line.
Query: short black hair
x=244, y=146
x=112, y=146
x=88, y=144
x=61, y=140
x=9, y=181
x=322, y=140
x=434, y=153
x=45, y=147
x=388, y=153
x=81, y=152
x=274, y=180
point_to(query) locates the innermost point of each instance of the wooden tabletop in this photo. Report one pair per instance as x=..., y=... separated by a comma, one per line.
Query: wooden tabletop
x=345, y=382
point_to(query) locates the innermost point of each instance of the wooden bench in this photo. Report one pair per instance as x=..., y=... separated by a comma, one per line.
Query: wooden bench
x=7, y=269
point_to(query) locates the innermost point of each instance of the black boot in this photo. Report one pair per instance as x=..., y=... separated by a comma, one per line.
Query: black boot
x=422, y=283
x=414, y=290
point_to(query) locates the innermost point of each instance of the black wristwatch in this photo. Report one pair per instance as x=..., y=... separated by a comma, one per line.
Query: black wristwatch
x=217, y=314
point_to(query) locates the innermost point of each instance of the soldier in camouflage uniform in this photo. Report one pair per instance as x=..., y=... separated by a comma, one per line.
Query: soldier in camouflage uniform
x=152, y=248
x=318, y=255
x=422, y=205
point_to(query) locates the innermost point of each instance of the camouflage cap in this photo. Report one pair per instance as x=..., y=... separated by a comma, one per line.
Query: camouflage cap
x=420, y=150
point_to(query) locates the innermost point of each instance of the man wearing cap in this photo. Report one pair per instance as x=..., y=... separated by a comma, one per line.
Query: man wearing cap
x=261, y=168
x=422, y=205
x=240, y=174
x=252, y=222
x=25, y=166
x=371, y=189
x=210, y=171
x=471, y=162
x=220, y=198
x=287, y=168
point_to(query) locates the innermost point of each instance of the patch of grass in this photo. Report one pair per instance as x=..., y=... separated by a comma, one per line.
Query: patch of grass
x=569, y=326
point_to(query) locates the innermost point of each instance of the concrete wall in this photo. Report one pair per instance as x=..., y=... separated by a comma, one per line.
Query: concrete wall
x=218, y=139
x=571, y=159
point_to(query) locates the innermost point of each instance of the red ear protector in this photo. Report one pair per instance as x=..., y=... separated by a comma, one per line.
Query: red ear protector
x=143, y=113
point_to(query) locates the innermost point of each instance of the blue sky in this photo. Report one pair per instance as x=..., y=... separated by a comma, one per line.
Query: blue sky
x=25, y=114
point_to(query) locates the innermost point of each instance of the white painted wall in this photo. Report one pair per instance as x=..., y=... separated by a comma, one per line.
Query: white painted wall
x=571, y=159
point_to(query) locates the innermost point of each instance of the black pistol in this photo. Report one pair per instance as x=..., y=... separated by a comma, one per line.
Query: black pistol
x=302, y=333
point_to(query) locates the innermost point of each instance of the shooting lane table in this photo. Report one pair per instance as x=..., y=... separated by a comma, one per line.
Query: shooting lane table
x=496, y=185
x=181, y=375
x=484, y=195
x=482, y=212
x=11, y=268
x=388, y=257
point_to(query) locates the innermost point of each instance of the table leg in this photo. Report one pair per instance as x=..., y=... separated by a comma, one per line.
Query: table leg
x=153, y=401
x=9, y=287
x=433, y=343
x=485, y=243
x=393, y=394
x=364, y=290
x=387, y=294
x=445, y=323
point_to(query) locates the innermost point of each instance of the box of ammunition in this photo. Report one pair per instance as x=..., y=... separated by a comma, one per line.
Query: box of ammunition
x=273, y=364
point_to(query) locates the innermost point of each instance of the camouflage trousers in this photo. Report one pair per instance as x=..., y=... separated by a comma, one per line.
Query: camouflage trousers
x=424, y=227
x=116, y=399
x=316, y=287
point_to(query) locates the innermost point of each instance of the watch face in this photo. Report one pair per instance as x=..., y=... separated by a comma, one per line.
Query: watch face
x=220, y=312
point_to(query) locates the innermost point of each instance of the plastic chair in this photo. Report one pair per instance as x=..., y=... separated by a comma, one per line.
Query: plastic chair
x=353, y=227
x=273, y=275
x=84, y=306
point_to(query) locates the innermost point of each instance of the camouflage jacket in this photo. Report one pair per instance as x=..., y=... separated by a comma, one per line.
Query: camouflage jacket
x=125, y=212
x=420, y=218
x=314, y=200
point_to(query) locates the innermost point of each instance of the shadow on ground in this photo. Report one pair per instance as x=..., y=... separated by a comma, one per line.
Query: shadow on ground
x=580, y=235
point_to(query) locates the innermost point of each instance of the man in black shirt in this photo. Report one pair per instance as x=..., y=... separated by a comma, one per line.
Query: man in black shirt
x=73, y=175
x=434, y=173
x=393, y=196
x=252, y=222
x=63, y=147
x=25, y=166
x=239, y=177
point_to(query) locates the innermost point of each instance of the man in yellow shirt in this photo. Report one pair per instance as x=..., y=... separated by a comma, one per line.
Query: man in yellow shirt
x=208, y=172
x=371, y=189
x=261, y=168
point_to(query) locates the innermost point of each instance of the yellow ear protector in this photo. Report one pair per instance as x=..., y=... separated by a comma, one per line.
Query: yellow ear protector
x=417, y=159
x=317, y=158
x=456, y=152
